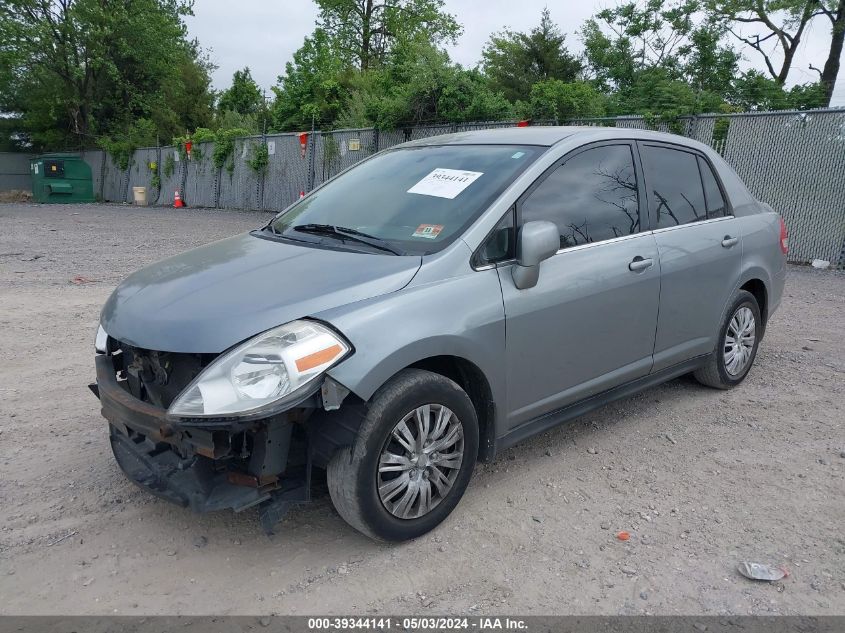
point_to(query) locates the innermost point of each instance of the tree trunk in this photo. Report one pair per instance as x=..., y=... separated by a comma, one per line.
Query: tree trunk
x=366, y=34
x=831, y=67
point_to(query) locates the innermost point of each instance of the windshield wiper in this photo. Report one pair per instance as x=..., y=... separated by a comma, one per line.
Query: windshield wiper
x=278, y=234
x=346, y=233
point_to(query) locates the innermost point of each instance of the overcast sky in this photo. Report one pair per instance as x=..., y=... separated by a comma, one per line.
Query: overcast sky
x=263, y=34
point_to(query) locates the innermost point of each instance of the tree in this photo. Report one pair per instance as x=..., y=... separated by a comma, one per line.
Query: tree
x=655, y=93
x=421, y=85
x=313, y=87
x=782, y=22
x=556, y=99
x=515, y=61
x=835, y=12
x=79, y=69
x=243, y=96
x=670, y=35
x=364, y=32
x=755, y=91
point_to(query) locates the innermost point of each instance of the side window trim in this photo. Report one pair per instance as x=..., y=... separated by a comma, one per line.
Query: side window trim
x=642, y=211
x=475, y=260
x=699, y=155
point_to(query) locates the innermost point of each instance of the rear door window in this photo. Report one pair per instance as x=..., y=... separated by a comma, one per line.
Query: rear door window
x=713, y=197
x=591, y=197
x=673, y=180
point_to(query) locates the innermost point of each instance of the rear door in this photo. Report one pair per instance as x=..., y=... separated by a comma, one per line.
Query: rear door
x=588, y=325
x=700, y=249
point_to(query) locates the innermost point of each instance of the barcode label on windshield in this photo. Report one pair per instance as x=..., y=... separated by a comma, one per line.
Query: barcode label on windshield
x=445, y=183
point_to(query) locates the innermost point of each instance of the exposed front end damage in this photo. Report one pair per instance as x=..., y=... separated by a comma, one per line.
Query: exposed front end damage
x=207, y=464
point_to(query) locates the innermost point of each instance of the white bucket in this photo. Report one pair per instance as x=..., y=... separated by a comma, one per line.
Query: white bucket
x=140, y=195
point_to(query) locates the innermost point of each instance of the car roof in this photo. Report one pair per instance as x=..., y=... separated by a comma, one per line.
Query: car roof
x=543, y=136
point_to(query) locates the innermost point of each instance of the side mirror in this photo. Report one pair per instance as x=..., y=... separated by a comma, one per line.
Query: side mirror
x=537, y=241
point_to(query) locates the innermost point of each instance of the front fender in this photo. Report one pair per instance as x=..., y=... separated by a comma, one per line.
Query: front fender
x=460, y=316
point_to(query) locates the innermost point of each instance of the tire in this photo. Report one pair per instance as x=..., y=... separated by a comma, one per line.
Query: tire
x=718, y=373
x=354, y=475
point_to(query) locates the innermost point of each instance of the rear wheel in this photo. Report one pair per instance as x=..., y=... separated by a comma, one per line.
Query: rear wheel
x=412, y=459
x=737, y=344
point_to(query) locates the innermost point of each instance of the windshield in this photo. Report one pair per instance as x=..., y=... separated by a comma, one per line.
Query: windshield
x=413, y=200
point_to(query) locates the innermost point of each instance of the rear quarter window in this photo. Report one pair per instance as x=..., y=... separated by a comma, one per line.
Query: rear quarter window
x=715, y=201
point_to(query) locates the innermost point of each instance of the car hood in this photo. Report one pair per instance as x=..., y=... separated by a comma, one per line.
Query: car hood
x=210, y=298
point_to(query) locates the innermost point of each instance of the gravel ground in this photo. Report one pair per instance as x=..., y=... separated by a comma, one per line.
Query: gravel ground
x=702, y=479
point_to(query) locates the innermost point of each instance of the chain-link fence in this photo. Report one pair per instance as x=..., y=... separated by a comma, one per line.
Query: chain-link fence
x=795, y=161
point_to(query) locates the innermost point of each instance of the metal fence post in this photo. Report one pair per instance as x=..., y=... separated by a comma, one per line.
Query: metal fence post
x=102, y=175
x=126, y=177
x=183, y=177
x=158, y=171
x=312, y=150
x=262, y=175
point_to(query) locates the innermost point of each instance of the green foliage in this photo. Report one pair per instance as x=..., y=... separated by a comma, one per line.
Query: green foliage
x=142, y=133
x=656, y=94
x=169, y=164
x=243, y=96
x=155, y=178
x=259, y=157
x=559, y=100
x=421, y=85
x=230, y=120
x=224, y=147
x=622, y=42
x=200, y=135
x=514, y=61
x=312, y=88
x=81, y=69
x=331, y=149
x=753, y=91
x=364, y=34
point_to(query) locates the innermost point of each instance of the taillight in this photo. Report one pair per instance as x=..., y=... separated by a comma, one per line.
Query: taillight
x=784, y=238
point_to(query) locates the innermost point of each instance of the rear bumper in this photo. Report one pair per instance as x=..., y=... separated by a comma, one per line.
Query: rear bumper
x=235, y=466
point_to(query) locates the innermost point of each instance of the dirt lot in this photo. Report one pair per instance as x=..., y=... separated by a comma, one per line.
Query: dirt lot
x=702, y=479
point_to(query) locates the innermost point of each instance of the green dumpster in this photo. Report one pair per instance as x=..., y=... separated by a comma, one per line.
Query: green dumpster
x=61, y=178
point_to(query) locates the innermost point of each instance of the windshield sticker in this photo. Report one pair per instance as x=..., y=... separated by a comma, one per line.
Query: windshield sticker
x=428, y=231
x=518, y=155
x=445, y=183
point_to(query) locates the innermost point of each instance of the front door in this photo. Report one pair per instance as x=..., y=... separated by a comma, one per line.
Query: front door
x=589, y=323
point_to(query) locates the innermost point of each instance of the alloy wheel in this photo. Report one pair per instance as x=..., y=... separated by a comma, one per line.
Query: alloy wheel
x=740, y=337
x=420, y=461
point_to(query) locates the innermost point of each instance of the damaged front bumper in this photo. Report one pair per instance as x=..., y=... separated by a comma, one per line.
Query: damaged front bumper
x=211, y=464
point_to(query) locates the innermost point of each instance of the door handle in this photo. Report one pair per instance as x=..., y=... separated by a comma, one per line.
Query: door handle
x=638, y=264
x=729, y=241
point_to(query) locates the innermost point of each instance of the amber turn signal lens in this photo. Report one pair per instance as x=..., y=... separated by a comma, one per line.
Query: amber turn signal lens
x=318, y=358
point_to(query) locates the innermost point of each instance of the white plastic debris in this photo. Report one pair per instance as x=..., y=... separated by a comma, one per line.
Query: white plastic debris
x=759, y=571
x=821, y=264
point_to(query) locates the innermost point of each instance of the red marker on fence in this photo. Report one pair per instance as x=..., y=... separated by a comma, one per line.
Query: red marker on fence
x=301, y=194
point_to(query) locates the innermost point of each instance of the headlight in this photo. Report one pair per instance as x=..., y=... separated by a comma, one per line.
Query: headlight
x=101, y=340
x=262, y=371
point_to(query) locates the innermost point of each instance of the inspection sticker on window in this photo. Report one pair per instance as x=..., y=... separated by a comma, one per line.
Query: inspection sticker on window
x=445, y=183
x=428, y=231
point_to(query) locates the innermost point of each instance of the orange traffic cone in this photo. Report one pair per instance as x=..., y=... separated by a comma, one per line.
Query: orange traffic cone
x=177, y=201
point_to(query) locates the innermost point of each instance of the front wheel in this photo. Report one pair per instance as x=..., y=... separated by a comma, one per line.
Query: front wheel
x=412, y=459
x=736, y=347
